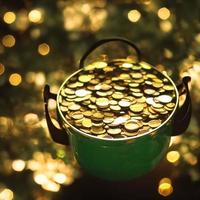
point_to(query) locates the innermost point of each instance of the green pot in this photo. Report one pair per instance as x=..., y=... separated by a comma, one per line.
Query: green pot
x=121, y=158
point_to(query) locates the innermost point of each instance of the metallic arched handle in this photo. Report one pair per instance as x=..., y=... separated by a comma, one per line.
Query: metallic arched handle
x=103, y=41
x=183, y=114
x=57, y=135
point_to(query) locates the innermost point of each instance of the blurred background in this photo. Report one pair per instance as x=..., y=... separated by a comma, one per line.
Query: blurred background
x=41, y=42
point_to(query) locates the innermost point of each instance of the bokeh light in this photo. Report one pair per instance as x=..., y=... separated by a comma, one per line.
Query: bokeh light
x=36, y=16
x=166, y=26
x=43, y=49
x=134, y=15
x=15, y=79
x=2, y=69
x=8, y=40
x=9, y=17
x=173, y=156
x=163, y=13
x=165, y=189
x=18, y=165
x=6, y=194
x=51, y=186
x=60, y=178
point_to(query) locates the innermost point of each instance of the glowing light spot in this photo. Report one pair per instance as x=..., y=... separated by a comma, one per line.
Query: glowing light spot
x=33, y=165
x=60, y=178
x=15, y=79
x=2, y=69
x=40, y=79
x=134, y=15
x=51, y=186
x=173, y=156
x=40, y=178
x=18, y=165
x=43, y=49
x=163, y=13
x=166, y=26
x=31, y=119
x=22, y=21
x=165, y=180
x=36, y=16
x=9, y=17
x=8, y=41
x=165, y=189
x=6, y=194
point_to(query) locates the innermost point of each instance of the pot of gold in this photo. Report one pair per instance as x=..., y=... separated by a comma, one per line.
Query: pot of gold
x=118, y=114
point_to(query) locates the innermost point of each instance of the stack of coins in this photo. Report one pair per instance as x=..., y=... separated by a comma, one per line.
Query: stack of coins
x=117, y=99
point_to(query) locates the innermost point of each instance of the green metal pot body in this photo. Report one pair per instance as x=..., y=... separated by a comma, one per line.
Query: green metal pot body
x=120, y=160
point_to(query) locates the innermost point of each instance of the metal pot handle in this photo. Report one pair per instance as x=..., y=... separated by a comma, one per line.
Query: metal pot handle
x=100, y=42
x=56, y=134
x=183, y=115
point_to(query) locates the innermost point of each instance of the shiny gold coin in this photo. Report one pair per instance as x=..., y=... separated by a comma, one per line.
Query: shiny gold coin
x=145, y=66
x=168, y=87
x=113, y=102
x=105, y=87
x=137, y=108
x=124, y=76
x=97, y=130
x=63, y=108
x=119, y=87
x=157, y=105
x=74, y=107
x=157, y=85
x=82, y=92
x=108, y=120
x=86, y=122
x=103, y=94
x=170, y=105
x=154, y=123
x=99, y=65
x=127, y=65
x=69, y=91
x=85, y=78
x=124, y=103
x=137, y=94
x=77, y=115
x=114, y=131
x=136, y=67
x=134, y=85
x=115, y=108
x=102, y=102
x=131, y=125
x=117, y=95
x=98, y=115
x=87, y=113
x=131, y=134
x=164, y=98
x=95, y=81
x=136, y=75
x=149, y=91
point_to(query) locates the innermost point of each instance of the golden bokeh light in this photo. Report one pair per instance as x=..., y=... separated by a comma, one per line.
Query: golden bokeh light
x=51, y=186
x=15, y=79
x=166, y=26
x=6, y=194
x=2, y=69
x=173, y=156
x=8, y=40
x=9, y=17
x=163, y=13
x=31, y=119
x=60, y=178
x=43, y=49
x=40, y=178
x=18, y=165
x=22, y=21
x=165, y=180
x=35, y=16
x=134, y=15
x=165, y=189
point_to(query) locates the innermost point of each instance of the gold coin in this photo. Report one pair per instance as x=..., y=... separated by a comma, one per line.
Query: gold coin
x=114, y=131
x=87, y=113
x=136, y=67
x=77, y=115
x=131, y=125
x=117, y=95
x=103, y=94
x=168, y=87
x=170, y=105
x=136, y=75
x=105, y=87
x=149, y=91
x=102, y=102
x=97, y=130
x=108, y=120
x=74, y=107
x=145, y=66
x=95, y=81
x=130, y=134
x=119, y=87
x=137, y=108
x=98, y=115
x=63, y=108
x=86, y=122
x=99, y=64
x=125, y=103
x=113, y=102
x=134, y=85
x=157, y=85
x=164, y=98
x=85, y=78
x=137, y=94
x=115, y=107
x=124, y=76
x=154, y=123
x=69, y=91
x=127, y=65
x=82, y=92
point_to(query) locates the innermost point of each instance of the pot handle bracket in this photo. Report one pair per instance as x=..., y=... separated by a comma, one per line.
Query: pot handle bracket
x=183, y=115
x=106, y=40
x=56, y=134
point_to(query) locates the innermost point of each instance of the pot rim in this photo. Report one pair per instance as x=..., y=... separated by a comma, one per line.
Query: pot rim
x=152, y=132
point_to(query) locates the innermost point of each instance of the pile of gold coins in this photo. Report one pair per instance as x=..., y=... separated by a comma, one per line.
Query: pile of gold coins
x=117, y=99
